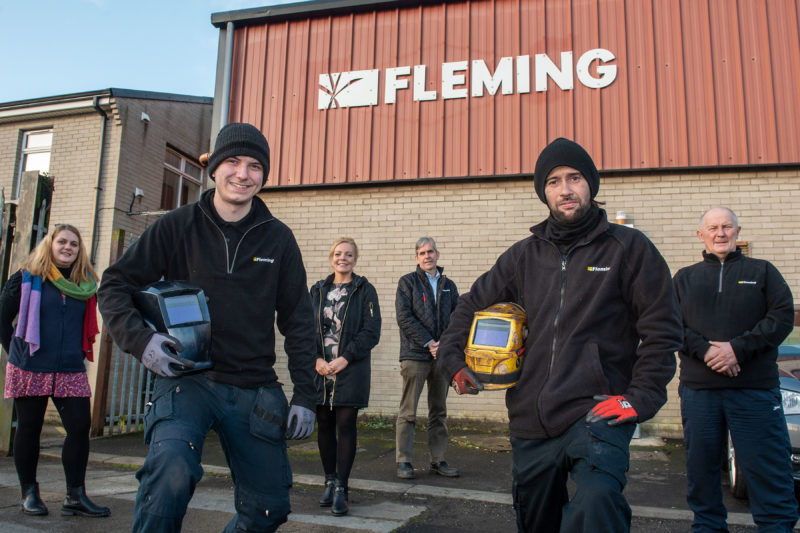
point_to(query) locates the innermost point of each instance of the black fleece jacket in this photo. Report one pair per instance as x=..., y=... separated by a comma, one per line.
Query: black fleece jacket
x=249, y=281
x=422, y=317
x=743, y=301
x=602, y=319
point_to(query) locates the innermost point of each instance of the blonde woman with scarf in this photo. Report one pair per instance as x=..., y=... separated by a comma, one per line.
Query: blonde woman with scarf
x=52, y=297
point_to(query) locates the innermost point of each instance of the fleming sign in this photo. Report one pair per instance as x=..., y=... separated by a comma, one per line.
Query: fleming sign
x=359, y=88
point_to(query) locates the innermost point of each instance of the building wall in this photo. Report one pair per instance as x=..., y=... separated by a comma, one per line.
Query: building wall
x=139, y=160
x=474, y=221
x=695, y=84
x=133, y=156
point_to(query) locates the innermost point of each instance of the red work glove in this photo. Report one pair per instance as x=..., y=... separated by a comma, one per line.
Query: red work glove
x=465, y=382
x=612, y=407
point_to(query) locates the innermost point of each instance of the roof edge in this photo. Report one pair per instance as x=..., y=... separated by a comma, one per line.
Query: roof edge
x=307, y=9
x=110, y=92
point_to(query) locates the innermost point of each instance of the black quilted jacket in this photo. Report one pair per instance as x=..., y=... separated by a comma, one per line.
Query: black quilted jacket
x=420, y=317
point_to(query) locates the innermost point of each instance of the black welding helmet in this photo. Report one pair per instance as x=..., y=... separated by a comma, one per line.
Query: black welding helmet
x=179, y=309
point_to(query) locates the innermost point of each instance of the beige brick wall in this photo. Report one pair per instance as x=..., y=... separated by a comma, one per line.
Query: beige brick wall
x=474, y=221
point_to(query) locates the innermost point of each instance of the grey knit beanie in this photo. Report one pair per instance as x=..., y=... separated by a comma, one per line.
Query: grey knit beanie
x=239, y=138
x=563, y=152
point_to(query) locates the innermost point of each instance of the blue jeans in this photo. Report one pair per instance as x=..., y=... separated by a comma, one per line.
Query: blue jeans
x=758, y=428
x=596, y=457
x=250, y=424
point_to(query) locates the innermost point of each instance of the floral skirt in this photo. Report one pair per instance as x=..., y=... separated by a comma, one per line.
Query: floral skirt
x=21, y=383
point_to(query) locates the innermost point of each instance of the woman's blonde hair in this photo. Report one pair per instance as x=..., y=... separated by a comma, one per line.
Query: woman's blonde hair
x=342, y=240
x=41, y=258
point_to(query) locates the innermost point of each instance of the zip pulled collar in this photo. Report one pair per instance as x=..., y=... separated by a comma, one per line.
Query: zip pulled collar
x=540, y=231
x=259, y=214
x=732, y=256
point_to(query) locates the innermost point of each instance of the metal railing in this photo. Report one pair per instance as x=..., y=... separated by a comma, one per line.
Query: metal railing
x=131, y=389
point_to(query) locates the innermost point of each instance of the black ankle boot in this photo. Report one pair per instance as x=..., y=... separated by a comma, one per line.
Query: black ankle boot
x=339, y=506
x=327, y=496
x=77, y=502
x=31, y=502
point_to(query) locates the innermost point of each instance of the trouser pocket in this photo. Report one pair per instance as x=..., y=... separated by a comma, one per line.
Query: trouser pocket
x=269, y=415
x=160, y=407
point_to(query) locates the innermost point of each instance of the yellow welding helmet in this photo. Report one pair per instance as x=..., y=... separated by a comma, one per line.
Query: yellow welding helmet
x=496, y=344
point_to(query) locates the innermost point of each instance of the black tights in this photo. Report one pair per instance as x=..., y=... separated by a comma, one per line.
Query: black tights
x=76, y=418
x=337, y=455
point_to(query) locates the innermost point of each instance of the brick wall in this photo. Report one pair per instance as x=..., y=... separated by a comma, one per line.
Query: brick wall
x=474, y=221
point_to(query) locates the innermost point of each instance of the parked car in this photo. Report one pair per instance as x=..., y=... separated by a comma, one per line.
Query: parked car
x=789, y=375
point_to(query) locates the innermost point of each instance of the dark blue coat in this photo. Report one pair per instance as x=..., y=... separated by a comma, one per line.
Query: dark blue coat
x=60, y=333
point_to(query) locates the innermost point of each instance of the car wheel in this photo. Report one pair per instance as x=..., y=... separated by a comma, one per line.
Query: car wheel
x=735, y=477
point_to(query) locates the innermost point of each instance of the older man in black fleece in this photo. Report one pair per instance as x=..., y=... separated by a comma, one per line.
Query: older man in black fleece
x=736, y=311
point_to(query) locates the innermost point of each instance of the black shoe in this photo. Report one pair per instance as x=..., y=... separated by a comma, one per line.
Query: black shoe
x=31, y=502
x=405, y=471
x=327, y=496
x=77, y=502
x=339, y=507
x=443, y=469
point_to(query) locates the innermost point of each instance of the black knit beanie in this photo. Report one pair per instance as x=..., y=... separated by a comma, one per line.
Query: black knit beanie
x=563, y=152
x=239, y=138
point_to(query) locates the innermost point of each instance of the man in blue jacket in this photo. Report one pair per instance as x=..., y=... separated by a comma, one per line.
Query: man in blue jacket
x=736, y=311
x=603, y=328
x=250, y=268
x=425, y=298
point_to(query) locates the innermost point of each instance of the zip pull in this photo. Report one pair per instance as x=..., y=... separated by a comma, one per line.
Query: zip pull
x=371, y=315
x=563, y=265
x=424, y=298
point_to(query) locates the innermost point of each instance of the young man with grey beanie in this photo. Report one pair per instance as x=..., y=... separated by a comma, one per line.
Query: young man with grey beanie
x=250, y=268
x=603, y=328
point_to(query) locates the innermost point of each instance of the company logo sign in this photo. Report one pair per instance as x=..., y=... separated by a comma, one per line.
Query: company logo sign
x=361, y=88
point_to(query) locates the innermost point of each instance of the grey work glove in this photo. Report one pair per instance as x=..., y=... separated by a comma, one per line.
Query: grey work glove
x=160, y=353
x=301, y=422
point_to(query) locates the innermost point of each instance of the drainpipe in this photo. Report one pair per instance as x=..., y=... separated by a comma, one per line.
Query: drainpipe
x=98, y=189
x=227, y=67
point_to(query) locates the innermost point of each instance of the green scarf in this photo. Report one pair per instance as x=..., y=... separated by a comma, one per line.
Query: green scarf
x=81, y=292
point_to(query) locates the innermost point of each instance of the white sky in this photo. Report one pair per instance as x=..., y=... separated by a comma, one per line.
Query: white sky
x=54, y=47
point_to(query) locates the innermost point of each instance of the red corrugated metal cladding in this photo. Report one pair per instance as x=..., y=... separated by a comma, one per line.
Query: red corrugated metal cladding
x=477, y=88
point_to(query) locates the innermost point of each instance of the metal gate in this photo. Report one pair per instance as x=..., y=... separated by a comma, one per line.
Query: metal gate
x=131, y=387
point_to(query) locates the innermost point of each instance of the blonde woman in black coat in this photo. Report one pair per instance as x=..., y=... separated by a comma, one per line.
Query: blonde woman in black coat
x=348, y=327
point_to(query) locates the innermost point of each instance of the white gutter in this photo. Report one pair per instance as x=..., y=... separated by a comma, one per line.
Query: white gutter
x=55, y=108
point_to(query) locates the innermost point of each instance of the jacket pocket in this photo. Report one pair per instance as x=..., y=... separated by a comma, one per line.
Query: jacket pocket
x=269, y=415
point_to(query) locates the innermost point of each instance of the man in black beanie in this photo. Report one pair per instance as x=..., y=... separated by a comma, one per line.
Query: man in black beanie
x=603, y=328
x=250, y=268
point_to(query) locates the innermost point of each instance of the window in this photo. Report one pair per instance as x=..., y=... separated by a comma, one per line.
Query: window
x=35, y=155
x=182, y=181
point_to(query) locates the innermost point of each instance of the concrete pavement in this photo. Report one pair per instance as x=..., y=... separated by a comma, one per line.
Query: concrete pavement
x=379, y=502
